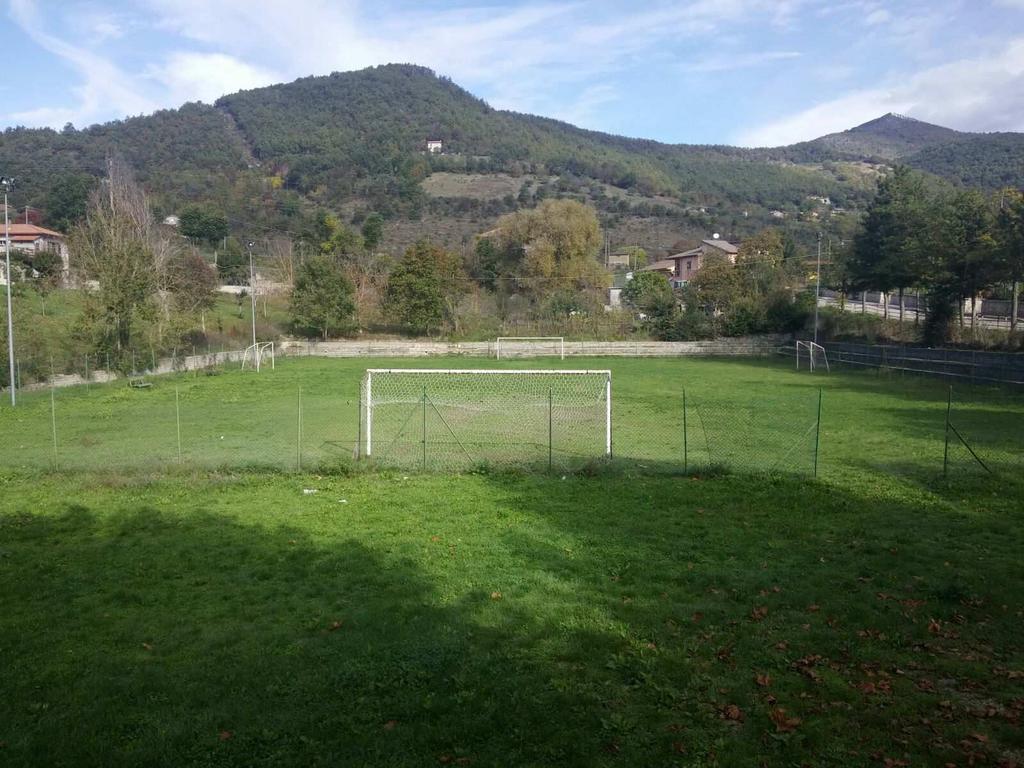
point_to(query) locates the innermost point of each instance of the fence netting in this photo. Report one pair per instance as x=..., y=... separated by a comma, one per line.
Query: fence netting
x=314, y=418
x=457, y=419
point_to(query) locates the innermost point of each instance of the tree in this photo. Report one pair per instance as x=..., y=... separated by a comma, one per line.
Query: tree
x=373, y=231
x=895, y=246
x=195, y=285
x=647, y=292
x=203, y=224
x=966, y=251
x=1010, y=234
x=553, y=246
x=232, y=263
x=66, y=202
x=322, y=297
x=118, y=246
x=424, y=289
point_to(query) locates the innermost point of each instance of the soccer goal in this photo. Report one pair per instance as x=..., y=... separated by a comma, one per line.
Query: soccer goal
x=812, y=353
x=452, y=419
x=529, y=346
x=257, y=355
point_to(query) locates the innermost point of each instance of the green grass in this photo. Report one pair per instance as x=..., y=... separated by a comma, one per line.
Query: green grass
x=605, y=618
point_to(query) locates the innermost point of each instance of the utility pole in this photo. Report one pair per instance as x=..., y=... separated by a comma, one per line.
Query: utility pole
x=7, y=183
x=252, y=292
x=817, y=290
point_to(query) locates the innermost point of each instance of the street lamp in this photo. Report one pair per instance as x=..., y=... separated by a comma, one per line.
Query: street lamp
x=7, y=182
x=252, y=293
x=817, y=290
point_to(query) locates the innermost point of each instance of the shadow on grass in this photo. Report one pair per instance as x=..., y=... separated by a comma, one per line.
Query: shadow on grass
x=585, y=621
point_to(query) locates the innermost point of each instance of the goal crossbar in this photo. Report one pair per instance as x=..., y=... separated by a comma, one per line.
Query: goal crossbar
x=559, y=339
x=371, y=399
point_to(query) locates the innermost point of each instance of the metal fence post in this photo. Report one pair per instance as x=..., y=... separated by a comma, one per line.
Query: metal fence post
x=424, y=428
x=177, y=420
x=298, y=440
x=945, y=450
x=817, y=434
x=359, y=425
x=686, y=456
x=551, y=429
x=53, y=427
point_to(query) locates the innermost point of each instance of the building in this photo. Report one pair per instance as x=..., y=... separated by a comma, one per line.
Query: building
x=680, y=268
x=434, y=146
x=29, y=239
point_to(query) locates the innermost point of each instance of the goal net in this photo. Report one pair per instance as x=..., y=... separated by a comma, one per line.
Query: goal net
x=529, y=346
x=258, y=355
x=452, y=419
x=812, y=355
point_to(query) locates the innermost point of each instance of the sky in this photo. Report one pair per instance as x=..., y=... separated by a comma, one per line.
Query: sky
x=746, y=72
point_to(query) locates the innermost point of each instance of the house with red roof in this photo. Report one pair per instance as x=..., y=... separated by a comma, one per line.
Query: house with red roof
x=29, y=240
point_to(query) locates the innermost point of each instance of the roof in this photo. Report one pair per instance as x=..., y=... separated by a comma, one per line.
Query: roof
x=722, y=245
x=666, y=264
x=28, y=232
x=687, y=254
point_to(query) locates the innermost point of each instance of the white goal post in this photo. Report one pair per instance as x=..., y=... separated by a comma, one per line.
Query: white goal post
x=525, y=346
x=815, y=354
x=256, y=355
x=434, y=417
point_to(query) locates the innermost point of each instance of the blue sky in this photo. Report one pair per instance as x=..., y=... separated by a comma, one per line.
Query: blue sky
x=750, y=72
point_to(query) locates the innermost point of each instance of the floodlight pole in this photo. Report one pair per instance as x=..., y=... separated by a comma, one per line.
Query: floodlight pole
x=252, y=295
x=817, y=290
x=10, y=315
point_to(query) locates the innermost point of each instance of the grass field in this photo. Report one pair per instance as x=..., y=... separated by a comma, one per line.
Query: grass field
x=874, y=616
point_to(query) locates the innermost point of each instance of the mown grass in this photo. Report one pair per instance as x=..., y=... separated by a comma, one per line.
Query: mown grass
x=612, y=618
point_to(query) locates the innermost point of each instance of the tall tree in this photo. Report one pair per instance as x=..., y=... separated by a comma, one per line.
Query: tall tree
x=424, y=289
x=893, y=250
x=1010, y=234
x=373, y=231
x=118, y=247
x=322, y=297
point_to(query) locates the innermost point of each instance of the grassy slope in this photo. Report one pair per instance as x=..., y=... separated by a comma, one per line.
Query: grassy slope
x=503, y=620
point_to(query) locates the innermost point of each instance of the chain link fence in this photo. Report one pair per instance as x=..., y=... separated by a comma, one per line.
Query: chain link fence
x=314, y=419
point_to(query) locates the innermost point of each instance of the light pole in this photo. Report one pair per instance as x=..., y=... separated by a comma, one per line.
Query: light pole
x=817, y=290
x=7, y=183
x=252, y=294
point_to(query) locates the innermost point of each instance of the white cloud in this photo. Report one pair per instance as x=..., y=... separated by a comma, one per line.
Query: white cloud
x=878, y=16
x=104, y=87
x=189, y=76
x=980, y=93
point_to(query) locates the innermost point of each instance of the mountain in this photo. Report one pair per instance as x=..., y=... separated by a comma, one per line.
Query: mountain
x=886, y=138
x=355, y=142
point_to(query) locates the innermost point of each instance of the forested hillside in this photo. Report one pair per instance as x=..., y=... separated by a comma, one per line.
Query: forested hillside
x=354, y=142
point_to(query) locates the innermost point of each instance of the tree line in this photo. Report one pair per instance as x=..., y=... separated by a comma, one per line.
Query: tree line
x=950, y=245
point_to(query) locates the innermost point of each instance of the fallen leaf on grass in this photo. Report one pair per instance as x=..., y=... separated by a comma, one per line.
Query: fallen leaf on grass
x=335, y=626
x=784, y=723
x=934, y=626
x=390, y=725
x=147, y=646
x=225, y=735
x=763, y=680
x=732, y=713
x=495, y=595
x=759, y=613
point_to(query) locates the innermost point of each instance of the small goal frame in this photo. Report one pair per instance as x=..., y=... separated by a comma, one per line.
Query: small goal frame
x=812, y=348
x=544, y=372
x=559, y=339
x=255, y=353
